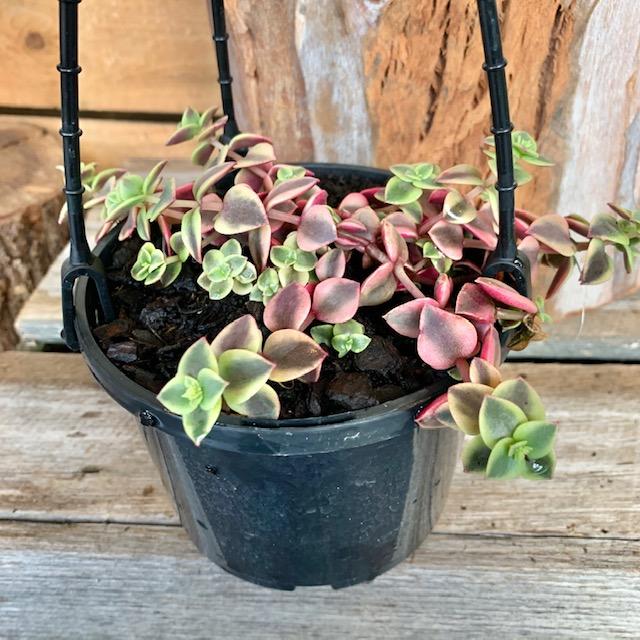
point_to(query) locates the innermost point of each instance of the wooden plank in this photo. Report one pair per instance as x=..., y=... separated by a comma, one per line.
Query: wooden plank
x=101, y=472
x=111, y=142
x=115, y=581
x=30, y=199
x=145, y=57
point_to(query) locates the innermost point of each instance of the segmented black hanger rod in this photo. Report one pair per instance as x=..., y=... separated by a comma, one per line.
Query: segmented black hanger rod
x=501, y=126
x=220, y=39
x=70, y=131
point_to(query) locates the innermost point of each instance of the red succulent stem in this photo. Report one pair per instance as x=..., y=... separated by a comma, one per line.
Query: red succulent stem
x=284, y=217
x=578, y=227
x=407, y=282
x=427, y=224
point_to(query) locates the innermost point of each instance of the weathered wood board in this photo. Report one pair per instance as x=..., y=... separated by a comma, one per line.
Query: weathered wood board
x=30, y=199
x=149, y=57
x=87, y=532
x=79, y=581
x=111, y=143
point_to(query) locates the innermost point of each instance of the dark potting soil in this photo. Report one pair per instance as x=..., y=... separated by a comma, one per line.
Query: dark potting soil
x=155, y=326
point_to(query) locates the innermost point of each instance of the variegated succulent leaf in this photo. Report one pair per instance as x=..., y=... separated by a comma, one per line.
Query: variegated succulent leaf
x=344, y=337
x=225, y=270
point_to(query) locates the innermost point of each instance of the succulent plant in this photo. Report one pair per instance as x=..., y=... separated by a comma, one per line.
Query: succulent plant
x=133, y=193
x=344, y=337
x=266, y=286
x=417, y=245
x=292, y=263
x=225, y=270
x=150, y=264
x=233, y=371
x=510, y=435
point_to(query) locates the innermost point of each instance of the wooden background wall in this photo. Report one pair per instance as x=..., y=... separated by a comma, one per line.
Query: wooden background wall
x=366, y=81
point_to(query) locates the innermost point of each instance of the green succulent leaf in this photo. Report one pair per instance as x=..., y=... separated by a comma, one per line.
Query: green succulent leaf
x=498, y=419
x=522, y=394
x=475, y=455
x=400, y=192
x=322, y=333
x=219, y=290
x=197, y=357
x=149, y=266
x=212, y=386
x=173, y=267
x=191, y=232
x=177, y=244
x=501, y=465
x=283, y=256
x=345, y=343
x=245, y=371
x=199, y=422
x=538, y=435
x=540, y=469
x=178, y=395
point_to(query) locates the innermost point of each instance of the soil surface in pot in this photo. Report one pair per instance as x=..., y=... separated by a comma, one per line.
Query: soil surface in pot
x=155, y=326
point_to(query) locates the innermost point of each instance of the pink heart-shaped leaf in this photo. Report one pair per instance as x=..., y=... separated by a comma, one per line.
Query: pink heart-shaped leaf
x=506, y=295
x=289, y=190
x=336, y=300
x=405, y=318
x=444, y=338
x=316, y=229
x=474, y=305
x=288, y=309
x=242, y=210
x=448, y=238
x=352, y=202
x=331, y=265
x=293, y=353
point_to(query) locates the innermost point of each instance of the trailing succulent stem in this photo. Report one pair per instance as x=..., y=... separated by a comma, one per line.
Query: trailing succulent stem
x=251, y=226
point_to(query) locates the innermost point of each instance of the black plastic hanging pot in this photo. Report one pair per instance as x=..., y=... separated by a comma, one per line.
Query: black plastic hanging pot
x=334, y=500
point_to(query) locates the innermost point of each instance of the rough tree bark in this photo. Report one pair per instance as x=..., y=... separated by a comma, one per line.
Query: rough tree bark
x=30, y=198
x=383, y=81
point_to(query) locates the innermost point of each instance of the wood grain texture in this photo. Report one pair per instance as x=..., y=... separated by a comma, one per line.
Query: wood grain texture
x=150, y=57
x=596, y=492
x=30, y=199
x=120, y=582
x=605, y=110
x=110, y=143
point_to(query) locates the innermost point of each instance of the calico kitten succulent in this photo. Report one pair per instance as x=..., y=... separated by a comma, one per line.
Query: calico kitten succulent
x=416, y=247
